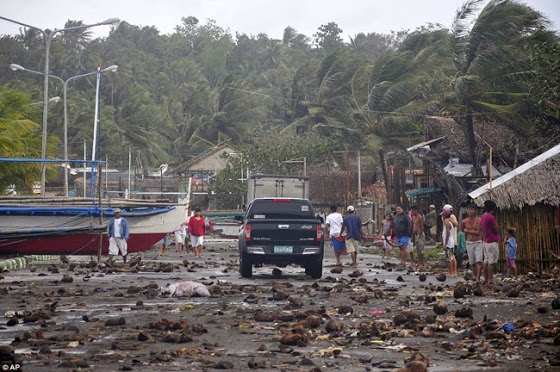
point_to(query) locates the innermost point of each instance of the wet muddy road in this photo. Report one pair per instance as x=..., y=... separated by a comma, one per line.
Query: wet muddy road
x=70, y=316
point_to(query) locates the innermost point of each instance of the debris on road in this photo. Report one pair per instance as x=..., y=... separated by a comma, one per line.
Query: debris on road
x=185, y=289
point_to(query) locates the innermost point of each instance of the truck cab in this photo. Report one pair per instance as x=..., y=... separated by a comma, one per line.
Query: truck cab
x=281, y=231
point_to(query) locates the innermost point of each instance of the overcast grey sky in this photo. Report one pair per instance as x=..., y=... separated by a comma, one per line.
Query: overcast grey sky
x=248, y=16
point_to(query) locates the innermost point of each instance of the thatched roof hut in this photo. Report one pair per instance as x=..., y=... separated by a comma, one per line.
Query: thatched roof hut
x=537, y=181
x=528, y=199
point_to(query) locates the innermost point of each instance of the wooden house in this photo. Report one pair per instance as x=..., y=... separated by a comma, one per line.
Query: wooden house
x=528, y=198
x=204, y=166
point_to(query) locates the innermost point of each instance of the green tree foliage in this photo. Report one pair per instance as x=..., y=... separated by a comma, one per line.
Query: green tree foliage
x=543, y=102
x=328, y=37
x=493, y=67
x=407, y=83
x=176, y=95
x=272, y=155
x=19, y=138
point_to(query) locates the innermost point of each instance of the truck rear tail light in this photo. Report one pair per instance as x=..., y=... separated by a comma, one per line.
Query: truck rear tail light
x=248, y=229
x=319, y=233
x=277, y=200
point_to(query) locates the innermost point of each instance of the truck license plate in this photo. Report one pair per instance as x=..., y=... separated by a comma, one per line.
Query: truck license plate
x=283, y=249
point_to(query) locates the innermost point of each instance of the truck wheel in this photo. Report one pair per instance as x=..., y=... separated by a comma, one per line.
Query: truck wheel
x=245, y=266
x=314, y=268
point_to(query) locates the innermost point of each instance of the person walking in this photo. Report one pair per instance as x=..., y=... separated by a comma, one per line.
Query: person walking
x=490, y=239
x=352, y=225
x=386, y=228
x=197, y=231
x=454, y=221
x=475, y=250
x=180, y=237
x=449, y=243
x=418, y=237
x=334, y=226
x=118, y=234
x=431, y=223
x=402, y=229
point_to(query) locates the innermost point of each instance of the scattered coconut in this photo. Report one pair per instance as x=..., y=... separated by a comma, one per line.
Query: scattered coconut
x=459, y=292
x=345, y=309
x=313, y=321
x=333, y=325
x=464, y=313
x=115, y=322
x=440, y=308
x=355, y=274
x=337, y=270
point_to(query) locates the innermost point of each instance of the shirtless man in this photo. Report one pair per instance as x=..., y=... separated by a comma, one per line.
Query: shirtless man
x=472, y=229
x=418, y=237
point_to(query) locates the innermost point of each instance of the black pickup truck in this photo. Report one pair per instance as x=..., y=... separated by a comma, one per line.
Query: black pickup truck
x=281, y=231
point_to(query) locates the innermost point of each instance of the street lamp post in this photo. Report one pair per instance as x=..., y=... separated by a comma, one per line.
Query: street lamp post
x=48, y=36
x=16, y=67
x=54, y=99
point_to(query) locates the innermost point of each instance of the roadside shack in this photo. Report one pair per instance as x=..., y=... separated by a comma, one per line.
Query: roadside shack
x=528, y=198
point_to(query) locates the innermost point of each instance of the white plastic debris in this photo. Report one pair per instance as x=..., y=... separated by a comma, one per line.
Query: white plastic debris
x=186, y=289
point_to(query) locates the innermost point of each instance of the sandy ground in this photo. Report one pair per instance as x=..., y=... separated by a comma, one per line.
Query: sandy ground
x=370, y=319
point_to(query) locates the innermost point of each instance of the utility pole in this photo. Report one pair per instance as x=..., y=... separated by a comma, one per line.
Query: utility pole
x=347, y=178
x=347, y=160
x=359, y=176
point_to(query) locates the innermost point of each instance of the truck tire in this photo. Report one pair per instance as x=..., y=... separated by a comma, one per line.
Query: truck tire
x=314, y=268
x=245, y=266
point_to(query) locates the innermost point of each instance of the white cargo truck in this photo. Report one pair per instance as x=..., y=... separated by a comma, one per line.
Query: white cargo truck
x=272, y=186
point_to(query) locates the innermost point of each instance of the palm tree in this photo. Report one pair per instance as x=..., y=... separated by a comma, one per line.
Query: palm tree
x=77, y=39
x=405, y=84
x=19, y=138
x=235, y=111
x=491, y=64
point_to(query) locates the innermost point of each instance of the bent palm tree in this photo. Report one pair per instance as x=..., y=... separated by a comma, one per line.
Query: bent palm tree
x=492, y=63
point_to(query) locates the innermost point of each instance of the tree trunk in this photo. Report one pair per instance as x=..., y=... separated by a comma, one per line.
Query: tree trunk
x=471, y=140
x=383, y=162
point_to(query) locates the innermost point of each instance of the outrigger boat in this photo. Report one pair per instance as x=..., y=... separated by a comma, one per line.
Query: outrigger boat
x=67, y=226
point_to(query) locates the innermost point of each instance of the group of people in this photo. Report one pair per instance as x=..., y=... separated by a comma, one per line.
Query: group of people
x=192, y=231
x=483, y=242
x=405, y=231
x=347, y=229
x=477, y=236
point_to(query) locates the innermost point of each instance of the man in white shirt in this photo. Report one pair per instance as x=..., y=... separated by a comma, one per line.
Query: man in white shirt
x=334, y=225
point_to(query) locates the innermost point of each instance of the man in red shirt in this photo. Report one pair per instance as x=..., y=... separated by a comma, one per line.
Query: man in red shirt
x=197, y=230
x=490, y=239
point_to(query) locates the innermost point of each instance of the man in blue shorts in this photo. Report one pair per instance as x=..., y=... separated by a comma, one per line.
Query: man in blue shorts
x=352, y=225
x=402, y=229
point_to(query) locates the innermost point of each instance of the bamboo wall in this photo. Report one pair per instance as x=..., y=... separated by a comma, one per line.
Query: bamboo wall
x=538, y=242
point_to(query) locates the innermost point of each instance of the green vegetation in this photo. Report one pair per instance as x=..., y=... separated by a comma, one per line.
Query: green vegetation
x=176, y=95
x=20, y=137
